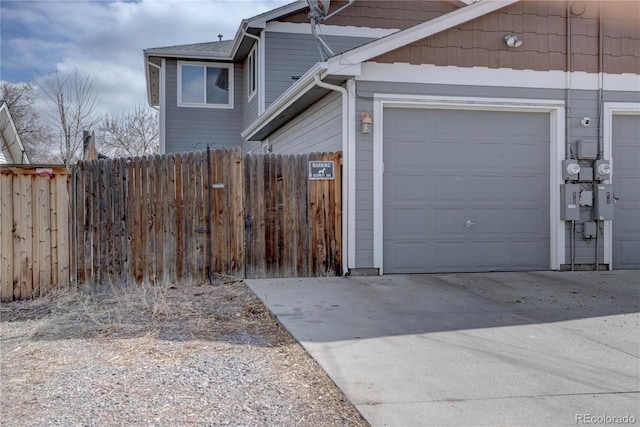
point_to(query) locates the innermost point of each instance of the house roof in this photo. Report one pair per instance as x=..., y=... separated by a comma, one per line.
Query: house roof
x=12, y=148
x=225, y=50
x=347, y=64
x=220, y=49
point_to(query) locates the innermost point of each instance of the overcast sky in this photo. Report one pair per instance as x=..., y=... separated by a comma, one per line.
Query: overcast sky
x=105, y=38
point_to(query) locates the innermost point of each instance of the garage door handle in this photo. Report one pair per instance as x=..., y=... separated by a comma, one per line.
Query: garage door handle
x=470, y=224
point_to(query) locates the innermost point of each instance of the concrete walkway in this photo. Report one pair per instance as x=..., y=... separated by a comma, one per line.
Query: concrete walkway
x=494, y=349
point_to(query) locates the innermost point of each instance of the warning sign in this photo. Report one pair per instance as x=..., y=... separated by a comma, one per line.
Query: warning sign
x=321, y=169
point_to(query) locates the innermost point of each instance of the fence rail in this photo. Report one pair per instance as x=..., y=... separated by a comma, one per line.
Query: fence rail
x=34, y=224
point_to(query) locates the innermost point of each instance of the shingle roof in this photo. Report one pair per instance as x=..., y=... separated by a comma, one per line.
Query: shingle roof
x=213, y=48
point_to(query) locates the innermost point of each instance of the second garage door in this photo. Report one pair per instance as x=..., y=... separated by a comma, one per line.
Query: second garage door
x=465, y=191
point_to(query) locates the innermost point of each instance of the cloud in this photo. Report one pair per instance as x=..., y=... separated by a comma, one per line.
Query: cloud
x=106, y=38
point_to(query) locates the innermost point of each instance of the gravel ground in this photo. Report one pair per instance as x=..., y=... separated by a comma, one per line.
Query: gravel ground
x=177, y=356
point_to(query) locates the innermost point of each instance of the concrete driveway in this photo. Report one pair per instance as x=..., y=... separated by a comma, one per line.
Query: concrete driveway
x=494, y=349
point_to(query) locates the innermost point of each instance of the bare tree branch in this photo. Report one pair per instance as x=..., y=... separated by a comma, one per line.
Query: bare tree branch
x=73, y=109
x=134, y=133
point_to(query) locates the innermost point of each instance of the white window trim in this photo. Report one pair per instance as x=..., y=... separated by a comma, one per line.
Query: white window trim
x=253, y=56
x=609, y=110
x=228, y=66
x=556, y=112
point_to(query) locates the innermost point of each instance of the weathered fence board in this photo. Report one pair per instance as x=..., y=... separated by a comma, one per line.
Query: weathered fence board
x=34, y=237
x=291, y=220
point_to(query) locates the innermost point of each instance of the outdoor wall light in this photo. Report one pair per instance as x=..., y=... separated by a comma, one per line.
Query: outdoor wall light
x=512, y=40
x=366, y=121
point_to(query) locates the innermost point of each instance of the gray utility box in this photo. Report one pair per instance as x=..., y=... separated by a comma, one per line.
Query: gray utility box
x=587, y=149
x=603, y=202
x=589, y=230
x=570, y=202
x=586, y=174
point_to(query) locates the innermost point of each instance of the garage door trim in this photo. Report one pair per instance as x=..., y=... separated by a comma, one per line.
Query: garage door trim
x=556, y=111
x=609, y=110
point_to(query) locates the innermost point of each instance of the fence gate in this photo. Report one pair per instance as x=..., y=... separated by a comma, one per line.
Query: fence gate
x=293, y=223
x=34, y=230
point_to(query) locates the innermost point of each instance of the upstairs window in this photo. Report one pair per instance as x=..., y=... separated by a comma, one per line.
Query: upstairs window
x=252, y=73
x=207, y=85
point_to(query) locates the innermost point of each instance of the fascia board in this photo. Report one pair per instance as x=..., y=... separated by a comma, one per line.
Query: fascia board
x=16, y=151
x=169, y=53
x=418, y=32
x=302, y=86
x=260, y=21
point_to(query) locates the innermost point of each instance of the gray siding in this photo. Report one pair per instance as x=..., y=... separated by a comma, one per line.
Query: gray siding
x=289, y=55
x=191, y=129
x=317, y=129
x=583, y=103
x=250, y=111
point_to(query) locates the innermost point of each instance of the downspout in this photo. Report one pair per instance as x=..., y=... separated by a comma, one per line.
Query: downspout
x=600, y=154
x=568, y=155
x=346, y=161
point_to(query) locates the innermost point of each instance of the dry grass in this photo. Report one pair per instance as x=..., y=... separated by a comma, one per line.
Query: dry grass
x=153, y=356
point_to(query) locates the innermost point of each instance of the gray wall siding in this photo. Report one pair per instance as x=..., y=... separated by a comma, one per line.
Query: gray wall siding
x=250, y=111
x=290, y=55
x=583, y=103
x=317, y=129
x=191, y=129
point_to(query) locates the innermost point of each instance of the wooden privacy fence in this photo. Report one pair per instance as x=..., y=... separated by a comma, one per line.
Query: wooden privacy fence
x=157, y=219
x=181, y=217
x=168, y=218
x=34, y=233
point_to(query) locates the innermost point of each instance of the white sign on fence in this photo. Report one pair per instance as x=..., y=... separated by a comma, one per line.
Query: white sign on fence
x=319, y=169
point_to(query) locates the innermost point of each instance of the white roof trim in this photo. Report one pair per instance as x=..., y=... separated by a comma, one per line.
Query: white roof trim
x=415, y=33
x=12, y=140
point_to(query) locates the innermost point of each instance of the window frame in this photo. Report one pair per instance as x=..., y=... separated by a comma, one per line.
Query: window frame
x=252, y=72
x=205, y=65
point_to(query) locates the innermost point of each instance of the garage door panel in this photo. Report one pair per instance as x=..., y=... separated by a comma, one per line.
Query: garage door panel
x=411, y=155
x=408, y=256
x=628, y=256
x=489, y=255
x=626, y=186
x=471, y=170
x=450, y=255
x=410, y=222
x=449, y=222
x=405, y=191
x=446, y=187
x=486, y=188
x=488, y=156
x=448, y=154
x=520, y=252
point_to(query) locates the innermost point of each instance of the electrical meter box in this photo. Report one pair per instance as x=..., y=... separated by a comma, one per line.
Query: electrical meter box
x=587, y=149
x=602, y=170
x=603, y=202
x=570, y=170
x=570, y=202
x=585, y=175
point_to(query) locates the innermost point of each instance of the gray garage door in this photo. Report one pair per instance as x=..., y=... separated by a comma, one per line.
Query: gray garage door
x=465, y=191
x=626, y=185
